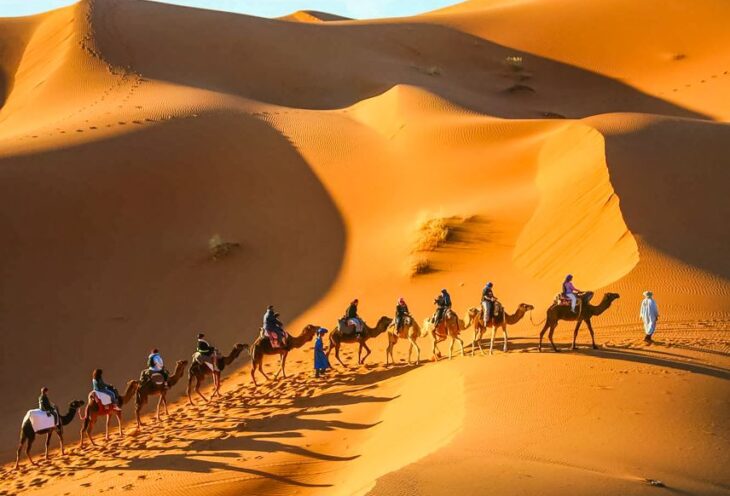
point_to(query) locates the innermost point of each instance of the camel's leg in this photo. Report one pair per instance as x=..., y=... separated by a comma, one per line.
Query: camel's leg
x=106, y=431
x=60, y=441
x=504, y=331
x=159, y=404
x=216, y=384
x=367, y=352
x=413, y=344
x=27, y=451
x=461, y=344
x=197, y=389
x=491, y=341
x=474, y=341
x=253, y=374
x=436, y=352
x=283, y=365
x=119, y=423
x=542, y=333
x=389, y=352
x=590, y=329
x=575, y=333
x=137, y=408
x=337, y=354
x=281, y=359
x=164, y=402
x=550, y=337
x=17, y=455
x=48, y=443
x=451, y=347
x=263, y=372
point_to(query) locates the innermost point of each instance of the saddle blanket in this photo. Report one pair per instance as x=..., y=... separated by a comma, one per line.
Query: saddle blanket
x=207, y=360
x=104, y=398
x=39, y=419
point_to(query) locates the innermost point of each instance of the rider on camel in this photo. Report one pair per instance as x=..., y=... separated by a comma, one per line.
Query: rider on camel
x=155, y=365
x=401, y=312
x=273, y=328
x=443, y=302
x=99, y=386
x=44, y=403
x=488, y=301
x=570, y=292
x=352, y=318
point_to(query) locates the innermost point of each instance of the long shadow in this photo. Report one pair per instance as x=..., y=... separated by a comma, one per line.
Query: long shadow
x=326, y=66
x=612, y=354
x=186, y=463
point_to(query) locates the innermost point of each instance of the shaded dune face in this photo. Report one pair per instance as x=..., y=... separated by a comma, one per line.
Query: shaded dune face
x=105, y=249
x=670, y=175
x=325, y=66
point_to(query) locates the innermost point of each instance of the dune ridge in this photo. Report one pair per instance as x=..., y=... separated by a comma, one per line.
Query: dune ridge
x=132, y=133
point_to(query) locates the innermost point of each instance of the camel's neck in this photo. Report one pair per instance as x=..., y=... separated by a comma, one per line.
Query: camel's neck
x=179, y=370
x=129, y=392
x=234, y=354
x=66, y=419
x=515, y=317
x=301, y=340
x=377, y=331
x=601, y=307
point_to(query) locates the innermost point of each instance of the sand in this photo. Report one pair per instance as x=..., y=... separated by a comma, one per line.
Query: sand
x=511, y=141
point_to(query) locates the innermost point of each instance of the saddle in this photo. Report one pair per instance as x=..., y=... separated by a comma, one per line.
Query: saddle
x=40, y=420
x=274, y=338
x=349, y=327
x=210, y=361
x=102, y=399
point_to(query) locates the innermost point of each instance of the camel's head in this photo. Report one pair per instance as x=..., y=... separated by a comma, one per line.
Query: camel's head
x=473, y=312
x=76, y=404
x=238, y=348
x=526, y=307
x=181, y=363
x=384, y=322
x=612, y=296
x=310, y=331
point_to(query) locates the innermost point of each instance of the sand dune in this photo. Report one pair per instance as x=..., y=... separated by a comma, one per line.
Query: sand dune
x=512, y=141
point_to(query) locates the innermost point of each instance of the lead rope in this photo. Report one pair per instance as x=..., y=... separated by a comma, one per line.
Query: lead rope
x=533, y=322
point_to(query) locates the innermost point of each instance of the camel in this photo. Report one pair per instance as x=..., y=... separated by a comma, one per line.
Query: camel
x=409, y=330
x=584, y=312
x=262, y=346
x=27, y=434
x=337, y=338
x=151, y=388
x=450, y=325
x=503, y=319
x=198, y=371
x=94, y=410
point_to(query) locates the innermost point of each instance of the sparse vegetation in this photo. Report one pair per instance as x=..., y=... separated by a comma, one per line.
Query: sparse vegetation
x=420, y=266
x=514, y=62
x=220, y=248
x=432, y=234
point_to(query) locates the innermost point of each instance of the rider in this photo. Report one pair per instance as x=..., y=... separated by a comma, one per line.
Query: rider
x=207, y=351
x=401, y=312
x=352, y=318
x=155, y=365
x=443, y=301
x=272, y=324
x=488, y=301
x=98, y=385
x=570, y=291
x=45, y=405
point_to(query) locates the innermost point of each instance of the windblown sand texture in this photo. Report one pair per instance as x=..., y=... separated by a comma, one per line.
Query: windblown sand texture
x=167, y=170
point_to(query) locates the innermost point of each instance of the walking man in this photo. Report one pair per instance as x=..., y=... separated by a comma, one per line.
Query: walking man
x=649, y=315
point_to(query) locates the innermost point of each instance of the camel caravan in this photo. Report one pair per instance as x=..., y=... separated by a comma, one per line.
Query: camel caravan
x=445, y=324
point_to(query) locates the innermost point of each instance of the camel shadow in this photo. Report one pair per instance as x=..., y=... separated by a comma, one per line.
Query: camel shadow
x=624, y=355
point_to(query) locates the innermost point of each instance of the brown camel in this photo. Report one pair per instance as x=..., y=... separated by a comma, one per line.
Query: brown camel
x=337, y=338
x=584, y=312
x=198, y=371
x=152, y=387
x=409, y=330
x=27, y=434
x=262, y=346
x=450, y=325
x=94, y=410
x=502, y=319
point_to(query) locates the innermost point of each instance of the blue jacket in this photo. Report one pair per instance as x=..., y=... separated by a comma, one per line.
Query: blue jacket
x=446, y=299
x=270, y=320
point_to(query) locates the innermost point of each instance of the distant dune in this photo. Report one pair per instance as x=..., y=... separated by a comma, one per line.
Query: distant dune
x=506, y=140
